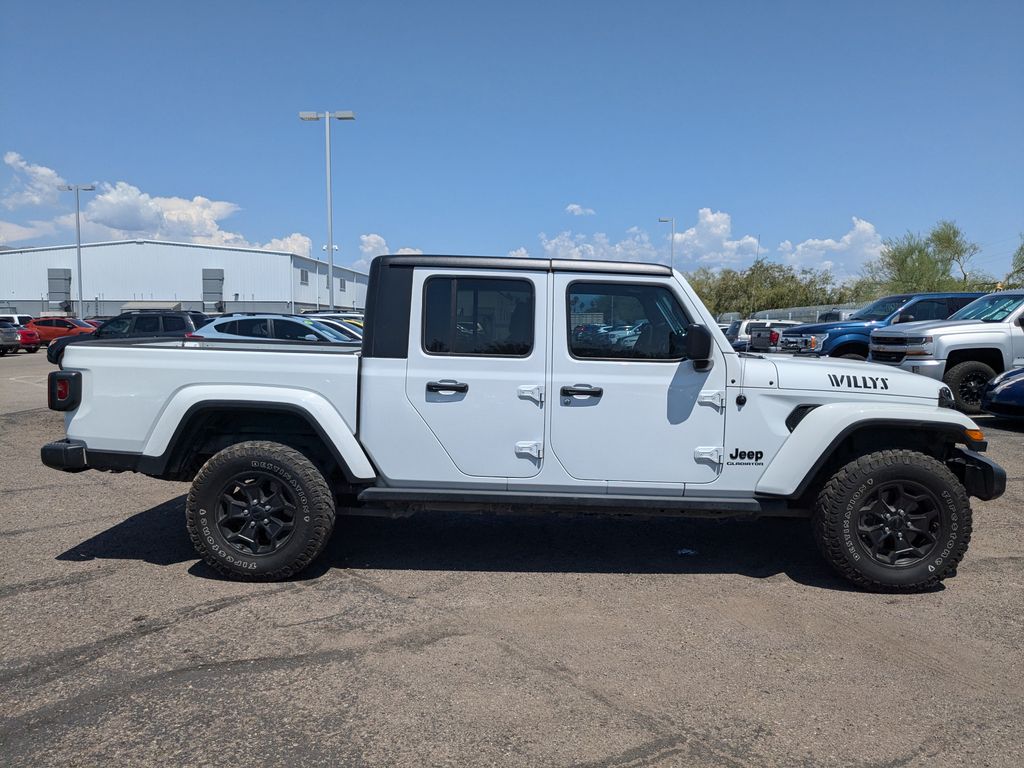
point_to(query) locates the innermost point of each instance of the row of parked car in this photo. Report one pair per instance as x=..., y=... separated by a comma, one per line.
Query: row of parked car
x=56, y=333
x=972, y=342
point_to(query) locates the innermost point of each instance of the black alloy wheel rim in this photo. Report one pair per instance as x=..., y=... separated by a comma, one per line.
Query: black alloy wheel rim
x=971, y=387
x=256, y=513
x=899, y=523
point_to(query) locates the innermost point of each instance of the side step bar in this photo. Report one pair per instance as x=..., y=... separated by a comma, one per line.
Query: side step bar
x=712, y=506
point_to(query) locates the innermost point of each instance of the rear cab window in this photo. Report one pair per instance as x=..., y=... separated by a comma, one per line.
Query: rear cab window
x=478, y=316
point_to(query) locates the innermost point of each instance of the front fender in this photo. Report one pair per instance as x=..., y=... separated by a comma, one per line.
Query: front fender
x=847, y=338
x=315, y=406
x=823, y=430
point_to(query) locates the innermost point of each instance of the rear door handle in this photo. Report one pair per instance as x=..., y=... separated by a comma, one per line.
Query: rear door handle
x=582, y=389
x=447, y=386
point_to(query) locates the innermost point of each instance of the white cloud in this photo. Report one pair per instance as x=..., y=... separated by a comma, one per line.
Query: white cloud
x=519, y=253
x=32, y=184
x=12, y=233
x=578, y=210
x=844, y=256
x=711, y=242
x=122, y=211
x=372, y=245
x=636, y=246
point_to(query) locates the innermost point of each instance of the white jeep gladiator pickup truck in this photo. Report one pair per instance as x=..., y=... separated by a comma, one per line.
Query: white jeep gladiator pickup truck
x=476, y=389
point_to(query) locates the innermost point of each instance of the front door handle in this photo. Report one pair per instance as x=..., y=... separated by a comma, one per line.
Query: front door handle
x=447, y=386
x=582, y=389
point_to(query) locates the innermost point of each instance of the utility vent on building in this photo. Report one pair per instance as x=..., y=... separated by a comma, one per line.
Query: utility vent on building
x=213, y=290
x=59, y=286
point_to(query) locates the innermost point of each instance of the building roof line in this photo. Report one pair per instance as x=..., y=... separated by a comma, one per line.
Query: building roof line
x=147, y=241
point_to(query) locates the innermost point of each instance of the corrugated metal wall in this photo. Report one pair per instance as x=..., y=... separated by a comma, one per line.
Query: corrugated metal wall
x=154, y=271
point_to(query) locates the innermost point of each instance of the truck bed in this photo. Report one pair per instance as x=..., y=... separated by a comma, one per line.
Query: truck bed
x=148, y=383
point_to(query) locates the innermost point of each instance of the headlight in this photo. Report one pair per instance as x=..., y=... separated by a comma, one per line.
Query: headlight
x=920, y=346
x=814, y=340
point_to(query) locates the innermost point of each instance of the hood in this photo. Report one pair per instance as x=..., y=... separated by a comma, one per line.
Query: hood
x=840, y=326
x=831, y=374
x=924, y=327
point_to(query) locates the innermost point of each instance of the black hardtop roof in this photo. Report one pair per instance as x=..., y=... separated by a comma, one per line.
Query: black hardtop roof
x=506, y=262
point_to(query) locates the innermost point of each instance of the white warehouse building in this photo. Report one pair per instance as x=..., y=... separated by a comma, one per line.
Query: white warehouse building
x=208, y=278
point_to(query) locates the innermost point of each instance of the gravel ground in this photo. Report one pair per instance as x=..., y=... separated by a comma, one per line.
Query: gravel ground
x=474, y=640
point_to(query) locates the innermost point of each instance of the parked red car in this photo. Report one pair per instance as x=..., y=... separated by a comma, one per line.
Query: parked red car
x=29, y=338
x=50, y=328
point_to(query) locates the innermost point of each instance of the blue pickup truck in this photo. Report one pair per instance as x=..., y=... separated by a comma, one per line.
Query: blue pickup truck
x=851, y=337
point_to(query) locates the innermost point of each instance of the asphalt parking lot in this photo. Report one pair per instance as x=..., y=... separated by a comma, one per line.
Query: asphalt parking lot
x=473, y=640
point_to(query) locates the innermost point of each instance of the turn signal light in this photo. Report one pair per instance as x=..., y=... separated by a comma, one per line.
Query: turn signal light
x=975, y=435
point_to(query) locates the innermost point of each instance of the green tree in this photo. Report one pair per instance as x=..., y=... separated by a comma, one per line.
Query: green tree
x=1015, y=277
x=942, y=261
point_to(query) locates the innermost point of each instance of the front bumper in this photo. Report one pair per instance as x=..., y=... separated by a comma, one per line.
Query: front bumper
x=925, y=366
x=980, y=476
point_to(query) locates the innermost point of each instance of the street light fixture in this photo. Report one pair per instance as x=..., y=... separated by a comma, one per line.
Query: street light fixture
x=77, y=189
x=672, y=242
x=327, y=117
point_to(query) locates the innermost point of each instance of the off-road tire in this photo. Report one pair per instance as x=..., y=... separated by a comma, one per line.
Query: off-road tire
x=957, y=375
x=313, y=518
x=837, y=514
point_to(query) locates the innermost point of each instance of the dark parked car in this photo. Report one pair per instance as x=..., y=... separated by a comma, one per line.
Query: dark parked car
x=1004, y=395
x=140, y=324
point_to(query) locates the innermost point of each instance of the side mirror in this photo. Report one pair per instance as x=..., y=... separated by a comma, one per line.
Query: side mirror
x=698, y=347
x=311, y=337
x=905, y=317
x=1020, y=321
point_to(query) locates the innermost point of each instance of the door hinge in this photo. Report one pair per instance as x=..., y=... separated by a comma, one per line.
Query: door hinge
x=531, y=392
x=527, y=448
x=705, y=453
x=715, y=397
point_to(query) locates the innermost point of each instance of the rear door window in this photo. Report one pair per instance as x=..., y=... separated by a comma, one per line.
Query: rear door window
x=292, y=331
x=146, y=324
x=478, y=316
x=928, y=309
x=174, y=323
x=257, y=327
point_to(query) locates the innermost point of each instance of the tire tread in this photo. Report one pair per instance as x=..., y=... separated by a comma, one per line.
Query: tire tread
x=827, y=528
x=320, y=497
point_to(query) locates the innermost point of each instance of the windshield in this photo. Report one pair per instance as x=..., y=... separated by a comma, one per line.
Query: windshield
x=881, y=309
x=991, y=309
x=734, y=328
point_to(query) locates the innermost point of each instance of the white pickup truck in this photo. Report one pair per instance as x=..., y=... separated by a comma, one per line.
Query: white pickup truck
x=474, y=390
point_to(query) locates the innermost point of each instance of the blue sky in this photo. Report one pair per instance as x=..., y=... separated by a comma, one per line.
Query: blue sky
x=819, y=128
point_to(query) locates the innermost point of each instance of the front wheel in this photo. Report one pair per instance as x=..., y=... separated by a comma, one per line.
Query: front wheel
x=31, y=350
x=968, y=380
x=893, y=521
x=259, y=511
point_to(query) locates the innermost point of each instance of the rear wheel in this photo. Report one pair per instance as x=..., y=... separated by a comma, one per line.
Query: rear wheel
x=259, y=511
x=893, y=521
x=968, y=380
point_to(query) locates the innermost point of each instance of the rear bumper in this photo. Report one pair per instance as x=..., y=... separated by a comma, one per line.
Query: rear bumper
x=73, y=456
x=65, y=455
x=981, y=477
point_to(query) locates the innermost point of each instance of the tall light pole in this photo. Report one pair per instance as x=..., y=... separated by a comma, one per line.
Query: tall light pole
x=672, y=242
x=78, y=189
x=327, y=117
